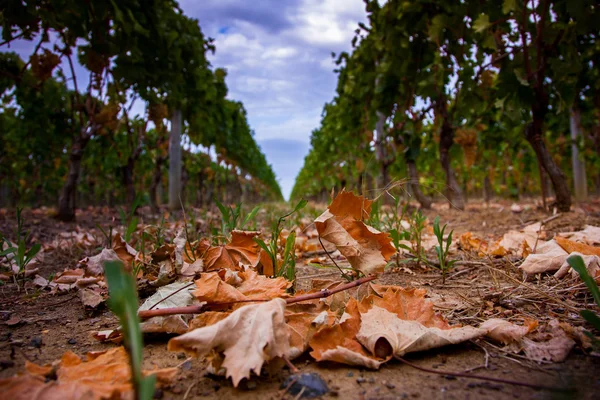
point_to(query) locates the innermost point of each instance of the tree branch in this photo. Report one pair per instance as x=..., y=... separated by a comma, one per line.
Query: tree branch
x=197, y=309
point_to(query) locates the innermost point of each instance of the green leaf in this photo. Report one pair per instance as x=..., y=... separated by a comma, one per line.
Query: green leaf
x=250, y=216
x=508, y=6
x=481, y=23
x=576, y=262
x=33, y=251
x=8, y=251
x=301, y=204
x=263, y=246
x=289, y=244
x=123, y=301
x=436, y=27
x=591, y=317
x=520, y=74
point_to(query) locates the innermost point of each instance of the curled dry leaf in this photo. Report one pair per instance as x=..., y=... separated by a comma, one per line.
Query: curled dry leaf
x=384, y=334
x=104, y=375
x=95, y=265
x=570, y=246
x=395, y=322
x=125, y=252
x=552, y=344
x=338, y=343
x=592, y=264
x=213, y=289
x=248, y=337
x=548, y=257
x=241, y=252
x=590, y=235
x=366, y=249
x=506, y=332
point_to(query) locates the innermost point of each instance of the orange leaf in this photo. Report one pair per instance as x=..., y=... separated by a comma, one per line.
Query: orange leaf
x=242, y=250
x=570, y=246
x=366, y=249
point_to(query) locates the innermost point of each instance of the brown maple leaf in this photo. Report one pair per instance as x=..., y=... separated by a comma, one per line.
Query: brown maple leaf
x=241, y=251
x=366, y=249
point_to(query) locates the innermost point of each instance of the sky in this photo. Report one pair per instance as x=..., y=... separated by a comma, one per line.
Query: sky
x=278, y=60
x=277, y=54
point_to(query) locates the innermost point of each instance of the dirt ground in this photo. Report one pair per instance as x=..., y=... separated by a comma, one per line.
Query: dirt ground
x=43, y=326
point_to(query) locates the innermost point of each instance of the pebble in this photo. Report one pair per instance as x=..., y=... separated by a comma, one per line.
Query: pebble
x=72, y=341
x=310, y=384
x=371, y=380
x=36, y=342
x=389, y=385
x=350, y=374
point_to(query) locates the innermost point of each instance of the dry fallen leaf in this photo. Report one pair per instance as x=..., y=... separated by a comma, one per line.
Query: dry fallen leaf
x=251, y=286
x=592, y=264
x=240, y=252
x=553, y=344
x=394, y=322
x=506, y=332
x=384, y=334
x=338, y=342
x=570, y=246
x=549, y=256
x=173, y=295
x=590, y=235
x=105, y=375
x=95, y=265
x=248, y=337
x=366, y=249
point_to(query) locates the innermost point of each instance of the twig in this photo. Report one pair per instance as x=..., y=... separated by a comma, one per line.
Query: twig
x=187, y=392
x=197, y=309
x=331, y=258
x=291, y=366
x=329, y=292
x=485, y=378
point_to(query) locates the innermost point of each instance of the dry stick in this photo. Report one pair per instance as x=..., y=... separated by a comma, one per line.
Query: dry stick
x=331, y=258
x=541, y=292
x=485, y=378
x=291, y=366
x=197, y=309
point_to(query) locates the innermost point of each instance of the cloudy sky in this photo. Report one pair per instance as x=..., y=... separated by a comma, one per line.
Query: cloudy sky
x=278, y=58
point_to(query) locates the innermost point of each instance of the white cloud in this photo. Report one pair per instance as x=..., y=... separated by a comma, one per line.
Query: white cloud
x=327, y=22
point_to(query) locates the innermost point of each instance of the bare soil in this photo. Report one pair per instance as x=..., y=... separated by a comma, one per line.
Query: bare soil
x=43, y=326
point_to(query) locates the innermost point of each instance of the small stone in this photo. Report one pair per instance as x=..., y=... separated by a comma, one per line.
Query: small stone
x=186, y=366
x=450, y=377
x=72, y=341
x=350, y=374
x=389, y=385
x=309, y=384
x=181, y=356
x=36, y=342
x=371, y=380
x=360, y=379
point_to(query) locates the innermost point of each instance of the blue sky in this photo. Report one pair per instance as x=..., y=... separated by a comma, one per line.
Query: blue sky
x=278, y=58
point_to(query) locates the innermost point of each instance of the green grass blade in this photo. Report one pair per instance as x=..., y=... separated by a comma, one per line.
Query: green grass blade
x=576, y=262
